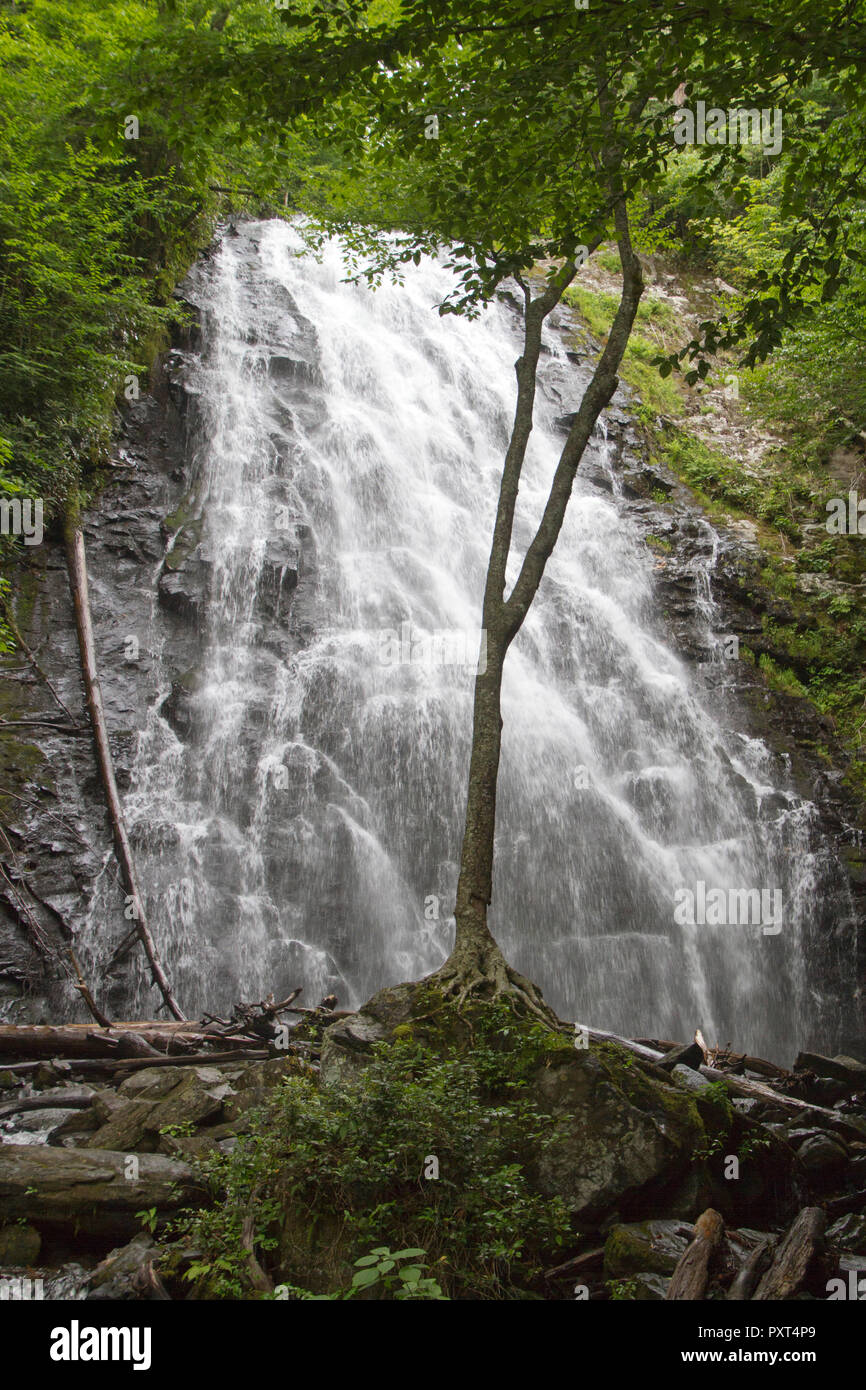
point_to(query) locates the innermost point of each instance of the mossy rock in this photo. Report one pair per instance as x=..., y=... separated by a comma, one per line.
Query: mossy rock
x=315, y=1250
x=19, y=1246
x=187, y=540
x=614, y=1130
x=652, y=1247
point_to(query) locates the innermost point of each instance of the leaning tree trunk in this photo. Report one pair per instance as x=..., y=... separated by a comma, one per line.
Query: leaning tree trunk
x=77, y=565
x=476, y=960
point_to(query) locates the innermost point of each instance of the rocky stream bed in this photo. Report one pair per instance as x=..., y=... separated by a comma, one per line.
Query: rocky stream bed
x=772, y=1208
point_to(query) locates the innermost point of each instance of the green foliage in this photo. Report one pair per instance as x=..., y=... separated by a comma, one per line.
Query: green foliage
x=148, y=1218
x=7, y=639
x=659, y=395
x=752, y=1144
x=96, y=228
x=383, y=1272
x=358, y=1150
x=622, y=1290
x=74, y=298
x=718, y=1095
x=659, y=543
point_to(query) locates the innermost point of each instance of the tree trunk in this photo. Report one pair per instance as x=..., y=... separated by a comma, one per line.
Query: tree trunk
x=747, y=1277
x=475, y=886
x=796, y=1257
x=77, y=564
x=475, y=951
x=692, y=1274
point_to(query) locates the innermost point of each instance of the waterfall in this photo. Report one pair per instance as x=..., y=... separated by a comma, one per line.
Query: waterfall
x=299, y=788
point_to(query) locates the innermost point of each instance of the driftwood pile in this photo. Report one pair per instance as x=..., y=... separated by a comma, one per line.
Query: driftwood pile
x=778, y=1267
x=789, y=1265
x=718, y=1261
x=252, y=1033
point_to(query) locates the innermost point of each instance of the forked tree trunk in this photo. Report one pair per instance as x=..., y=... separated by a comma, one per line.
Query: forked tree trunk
x=475, y=951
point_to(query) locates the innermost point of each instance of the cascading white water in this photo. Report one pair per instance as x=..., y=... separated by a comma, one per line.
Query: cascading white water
x=305, y=827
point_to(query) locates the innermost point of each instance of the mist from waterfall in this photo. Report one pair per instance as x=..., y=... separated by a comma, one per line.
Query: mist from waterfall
x=304, y=828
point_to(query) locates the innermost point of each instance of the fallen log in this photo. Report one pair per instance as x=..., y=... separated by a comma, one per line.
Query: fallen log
x=129, y=1044
x=138, y=1025
x=83, y=1040
x=258, y=1020
x=47, y=1040
x=91, y=1189
x=590, y=1259
x=189, y=1059
x=840, y=1206
x=747, y=1277
x=741, y=1086
x=77, y=565
x=738, y=1059
x=829, y=1119
x=795, y=1257
x=758, y=1064
x=87, y=1065
x=692, y=1273
x=76, y=1100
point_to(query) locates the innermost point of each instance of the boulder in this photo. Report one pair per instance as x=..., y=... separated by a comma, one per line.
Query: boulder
x=221, y=1137
x=252, y=1087
x=689, y=1078
x=849, y=1234
x=645, y=1247
x=193, y=1101
x=91, y=1190
x=762, y=1186
x=19, y=1246
x=151, y=1083
x=824, y=1159
x=616, y=1133
x=77, y=1122
x=846, y=1069
x=689, y=1056
x=650, y=1287
x=136, y=1119
x=127, y=1129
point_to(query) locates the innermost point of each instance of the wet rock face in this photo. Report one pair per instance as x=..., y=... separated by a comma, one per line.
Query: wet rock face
x=151, y=569
x=55, y=810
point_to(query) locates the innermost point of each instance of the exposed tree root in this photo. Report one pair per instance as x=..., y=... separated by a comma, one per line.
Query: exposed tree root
x=480, y=972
